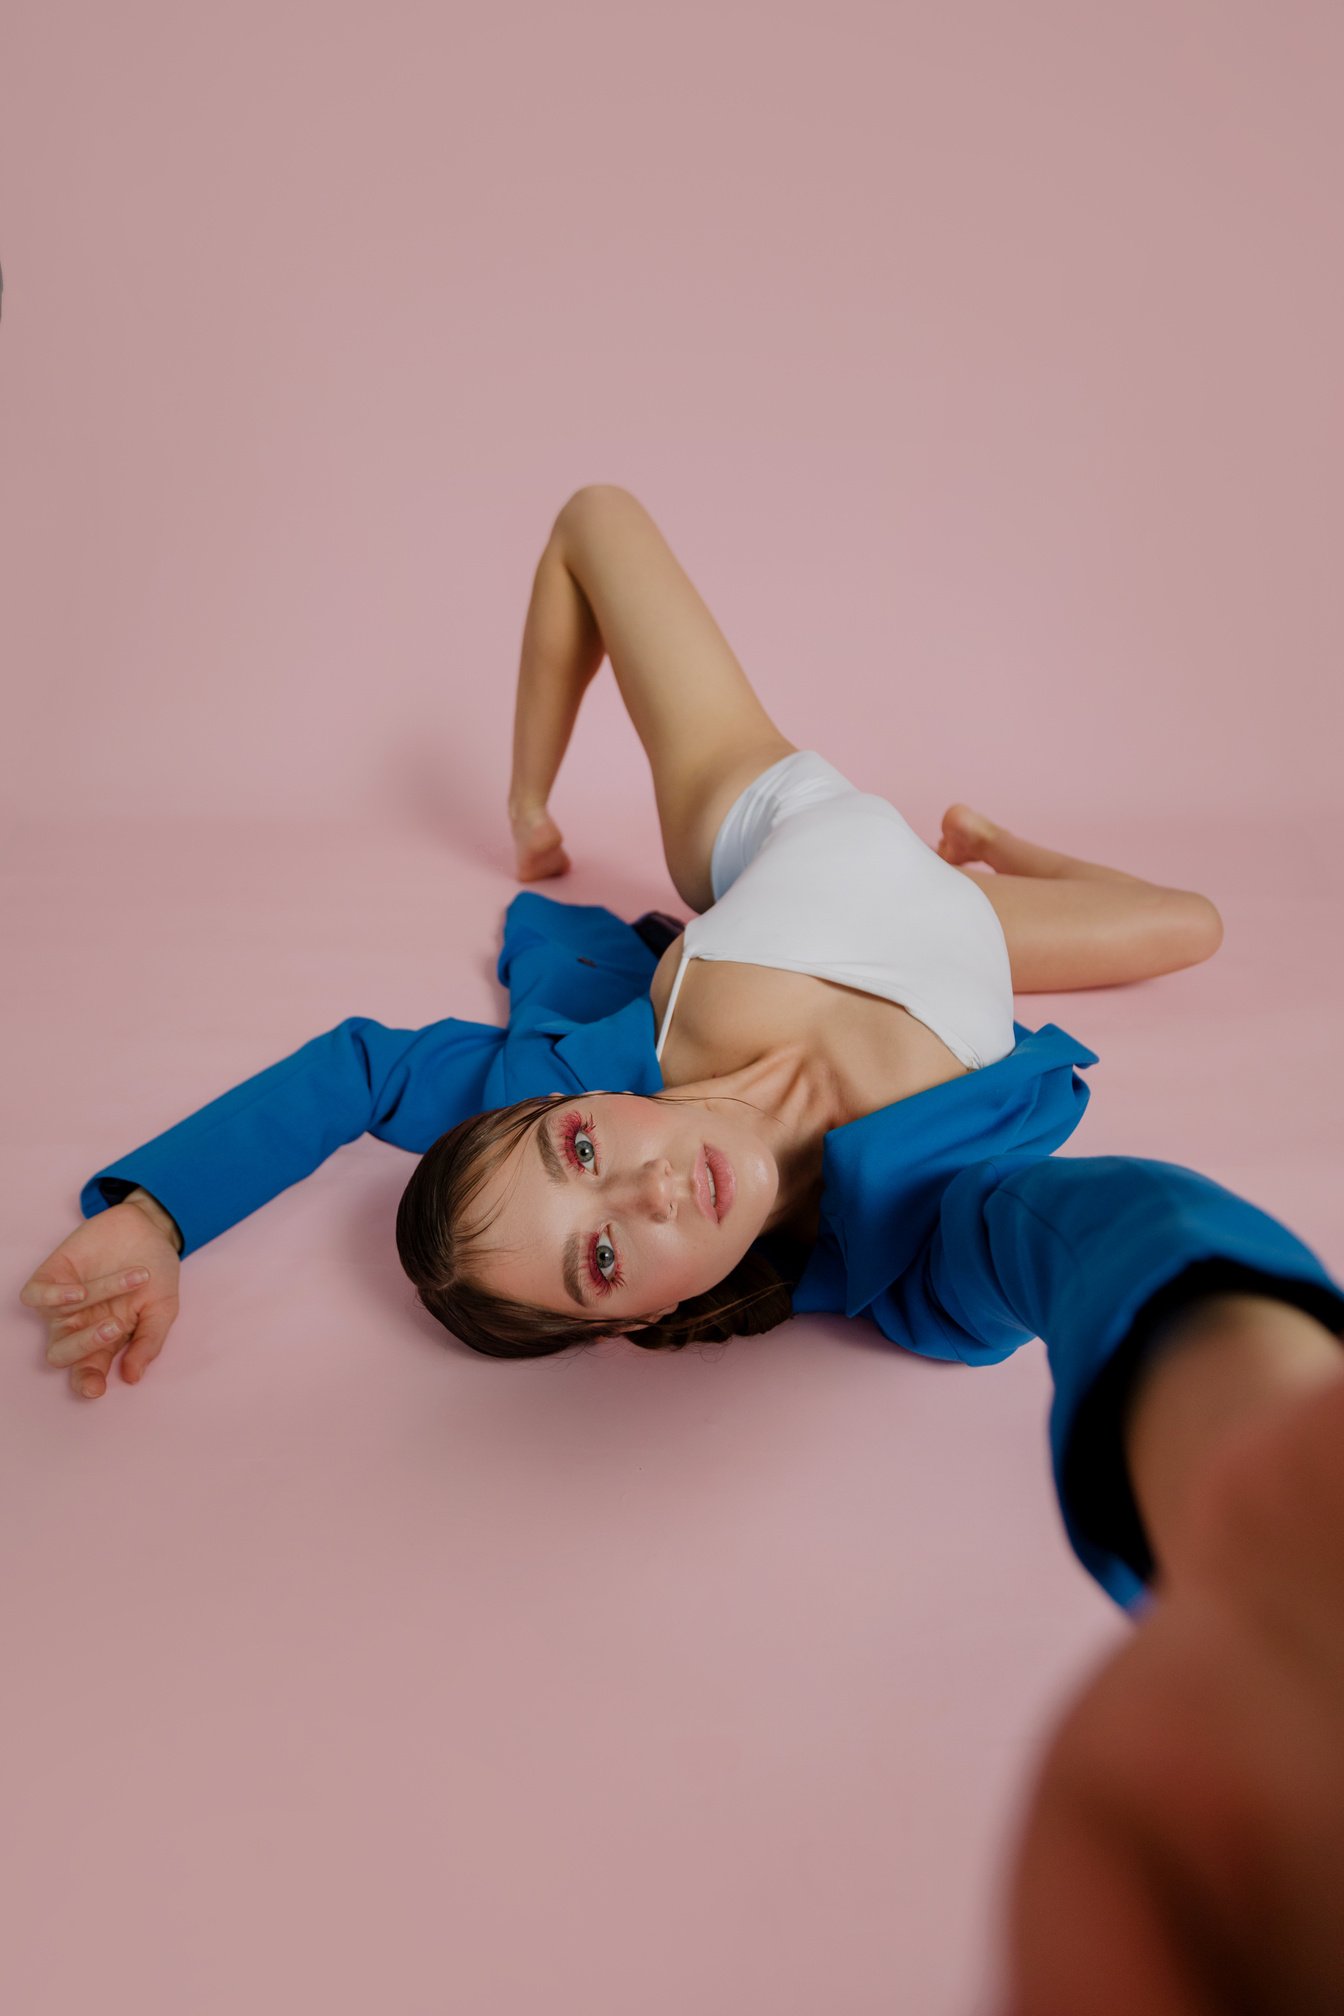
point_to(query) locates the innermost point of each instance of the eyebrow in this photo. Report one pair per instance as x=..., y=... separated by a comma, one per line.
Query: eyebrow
x=555, y=1170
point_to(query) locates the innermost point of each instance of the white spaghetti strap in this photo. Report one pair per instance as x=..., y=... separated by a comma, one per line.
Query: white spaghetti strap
x=671, y=1004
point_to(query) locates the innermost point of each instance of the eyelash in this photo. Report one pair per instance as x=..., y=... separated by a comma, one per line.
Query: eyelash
x=575, y=1123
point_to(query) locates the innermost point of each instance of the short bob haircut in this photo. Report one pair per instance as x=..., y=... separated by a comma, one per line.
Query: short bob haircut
x=435, y=1245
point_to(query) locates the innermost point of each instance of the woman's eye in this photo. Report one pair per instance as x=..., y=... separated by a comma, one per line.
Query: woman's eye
x=579, y=1143
x=606, y=1257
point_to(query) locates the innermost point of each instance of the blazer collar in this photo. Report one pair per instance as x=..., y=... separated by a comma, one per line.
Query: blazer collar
x=883, y=1175
x=546, y=1051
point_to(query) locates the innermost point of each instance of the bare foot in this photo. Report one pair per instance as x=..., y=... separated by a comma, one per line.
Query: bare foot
x=967, y=835
x=541, y=853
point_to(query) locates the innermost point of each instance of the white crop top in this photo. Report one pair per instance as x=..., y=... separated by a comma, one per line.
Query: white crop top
x=812, y=875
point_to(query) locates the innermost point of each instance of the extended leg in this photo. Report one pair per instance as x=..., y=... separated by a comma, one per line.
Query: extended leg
x=1063, y=934
x=1071, y=923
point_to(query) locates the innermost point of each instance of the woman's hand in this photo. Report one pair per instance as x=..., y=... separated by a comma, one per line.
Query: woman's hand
x=1183, y=1841
x=126, y=1268
x=540, y=850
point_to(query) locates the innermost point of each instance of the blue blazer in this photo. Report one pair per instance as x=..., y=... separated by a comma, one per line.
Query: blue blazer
x=946, y=1218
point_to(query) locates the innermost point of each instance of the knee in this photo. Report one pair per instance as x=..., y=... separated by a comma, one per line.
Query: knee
x=1194, y=928
x=1209, y=931
x=590, y=499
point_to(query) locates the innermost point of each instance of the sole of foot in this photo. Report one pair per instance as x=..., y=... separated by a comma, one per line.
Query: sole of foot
x=541, y=866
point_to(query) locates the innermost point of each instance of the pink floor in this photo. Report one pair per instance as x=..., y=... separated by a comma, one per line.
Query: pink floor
x=410, y=1680
x=981, y=366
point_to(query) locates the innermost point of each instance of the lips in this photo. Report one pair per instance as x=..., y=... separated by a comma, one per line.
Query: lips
x=725, y=1183
x=702, y=1196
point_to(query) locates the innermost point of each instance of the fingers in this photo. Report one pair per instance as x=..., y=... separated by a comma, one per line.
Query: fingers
x=88, y=1350
x=144, y=1348
x=37, y=1294
x=61, y=1327
x=90, y=1380
x=85, y=1342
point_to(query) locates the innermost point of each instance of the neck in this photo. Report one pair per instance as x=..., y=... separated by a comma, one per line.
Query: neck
x=798, y=1101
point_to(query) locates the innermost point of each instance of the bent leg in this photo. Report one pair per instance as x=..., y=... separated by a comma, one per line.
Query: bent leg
x=704, y=730
x=1064, y=933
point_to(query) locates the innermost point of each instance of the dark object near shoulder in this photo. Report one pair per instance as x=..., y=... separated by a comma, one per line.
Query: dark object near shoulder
x=658, y=929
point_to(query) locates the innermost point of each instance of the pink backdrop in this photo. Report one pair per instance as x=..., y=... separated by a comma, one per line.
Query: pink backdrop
x=982, y=367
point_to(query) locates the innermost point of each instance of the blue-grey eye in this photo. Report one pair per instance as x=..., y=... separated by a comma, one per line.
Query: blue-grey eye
x=580, y=1135
x=604, y=1246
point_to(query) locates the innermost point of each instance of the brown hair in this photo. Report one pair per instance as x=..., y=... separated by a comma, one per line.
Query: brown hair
x=436, y=1251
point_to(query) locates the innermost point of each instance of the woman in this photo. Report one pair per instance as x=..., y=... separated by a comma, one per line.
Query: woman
x=813, y=1098
x=838, y=1112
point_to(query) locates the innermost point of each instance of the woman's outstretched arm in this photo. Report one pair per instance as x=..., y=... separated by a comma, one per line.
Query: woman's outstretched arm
x=1100, y=1256
x=150, y=1208
x=230, y=1157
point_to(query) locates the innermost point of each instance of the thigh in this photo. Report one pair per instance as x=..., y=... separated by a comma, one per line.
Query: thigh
x=1064, y=933
x=704, y=731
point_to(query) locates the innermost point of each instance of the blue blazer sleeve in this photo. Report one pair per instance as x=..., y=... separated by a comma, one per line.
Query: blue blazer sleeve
x=406, y=1086
x=1073, y=1249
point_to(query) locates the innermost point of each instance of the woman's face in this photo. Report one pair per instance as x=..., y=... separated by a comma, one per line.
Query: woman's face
x=608, y=1208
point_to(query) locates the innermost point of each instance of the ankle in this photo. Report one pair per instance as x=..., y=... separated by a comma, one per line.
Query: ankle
x=997, y=841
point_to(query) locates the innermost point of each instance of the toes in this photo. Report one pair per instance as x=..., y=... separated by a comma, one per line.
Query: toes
x=958, y=841
x=966, y=834
x=540, y=867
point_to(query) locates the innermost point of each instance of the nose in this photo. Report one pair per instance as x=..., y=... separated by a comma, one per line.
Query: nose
x=655, y=1189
